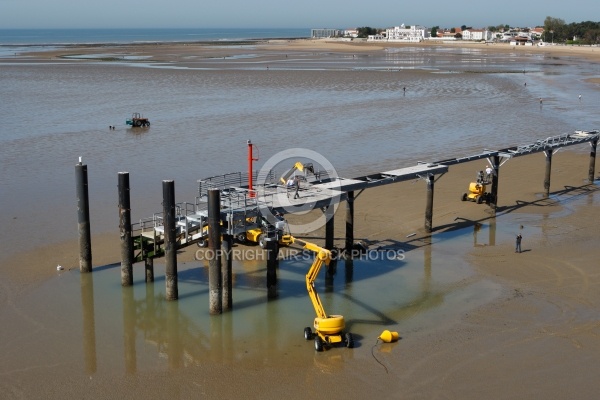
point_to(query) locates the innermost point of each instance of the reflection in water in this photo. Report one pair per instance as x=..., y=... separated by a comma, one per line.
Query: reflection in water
x=491, y=228
x=375, y=292
x=349, y=270
x=129, y=329
x=89, y=323
x=426, y=287
x=175, y=348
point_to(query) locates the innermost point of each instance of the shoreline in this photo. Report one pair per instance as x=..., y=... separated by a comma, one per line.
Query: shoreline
x=220, y=48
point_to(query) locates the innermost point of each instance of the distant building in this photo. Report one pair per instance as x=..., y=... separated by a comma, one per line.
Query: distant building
x=412, y=34
x=351, y=33
x=379, y=37
x=325, y=33
x=476, y=34
x=448, y=34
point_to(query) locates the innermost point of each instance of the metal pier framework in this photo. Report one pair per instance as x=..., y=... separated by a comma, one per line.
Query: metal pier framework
x=241, y=207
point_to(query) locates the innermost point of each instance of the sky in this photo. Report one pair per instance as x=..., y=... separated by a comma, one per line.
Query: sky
x=340, y=14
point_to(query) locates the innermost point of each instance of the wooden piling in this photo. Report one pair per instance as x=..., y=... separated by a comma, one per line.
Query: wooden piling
x=83, y=218
x=271, y=248
x=172, y=292
x=429, y=203
x=215, y=291
x=592, y=169
x=149, y=269
x=548, y=154
x=495, y=182
x=125, y=230
x=349, y=224
x=329, y=227
x=227, y=267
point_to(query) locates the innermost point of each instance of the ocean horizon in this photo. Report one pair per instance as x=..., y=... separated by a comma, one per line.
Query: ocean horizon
x=41, y=37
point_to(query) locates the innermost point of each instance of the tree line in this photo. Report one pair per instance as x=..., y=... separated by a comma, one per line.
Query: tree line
x=556, y=30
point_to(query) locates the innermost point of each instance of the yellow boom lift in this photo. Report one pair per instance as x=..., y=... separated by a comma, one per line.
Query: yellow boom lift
x=328, y=328
x=298, y=166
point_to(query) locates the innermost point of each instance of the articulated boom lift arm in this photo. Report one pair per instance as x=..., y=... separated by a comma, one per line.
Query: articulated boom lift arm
x=298, y=166
x=322, y=256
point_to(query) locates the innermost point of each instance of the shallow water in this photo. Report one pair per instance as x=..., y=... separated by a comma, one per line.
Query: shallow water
x=110, y=328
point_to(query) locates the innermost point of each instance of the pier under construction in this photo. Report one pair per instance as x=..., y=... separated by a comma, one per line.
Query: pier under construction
x=227, y=207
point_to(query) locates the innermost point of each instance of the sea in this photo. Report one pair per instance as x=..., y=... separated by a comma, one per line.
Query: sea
x=366, y=112
x=32, y=37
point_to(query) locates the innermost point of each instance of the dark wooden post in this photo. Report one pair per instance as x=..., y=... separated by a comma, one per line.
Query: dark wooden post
x=83, y=218
x=349, y=224
x=215, y=290
x=592, y=169
x=329, y=227
x=172, y=291
x=149, y=269
x=429, y=203
x=495, y=182
x=271, y=248
x=125, y=230
x=548, y=154
x=227, y=246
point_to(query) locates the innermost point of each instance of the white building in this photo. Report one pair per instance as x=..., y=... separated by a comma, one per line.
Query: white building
x=351, y=33
x=413, y=34
x=476, y=34
x=376, y=38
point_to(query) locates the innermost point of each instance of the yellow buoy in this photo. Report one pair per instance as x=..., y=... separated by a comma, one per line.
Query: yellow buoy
x=388, y=337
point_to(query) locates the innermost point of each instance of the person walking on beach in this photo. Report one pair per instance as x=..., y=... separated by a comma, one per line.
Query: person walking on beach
x=518, y=243
x=297, y=184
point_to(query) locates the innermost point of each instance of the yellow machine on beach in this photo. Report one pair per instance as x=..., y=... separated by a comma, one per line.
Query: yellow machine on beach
x=477, y=192
x=328, y=328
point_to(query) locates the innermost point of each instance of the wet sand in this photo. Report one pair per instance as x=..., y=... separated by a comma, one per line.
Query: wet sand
x=276, y=49
x=538, y=339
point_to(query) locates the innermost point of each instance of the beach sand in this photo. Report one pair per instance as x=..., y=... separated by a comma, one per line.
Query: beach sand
x=538, y=339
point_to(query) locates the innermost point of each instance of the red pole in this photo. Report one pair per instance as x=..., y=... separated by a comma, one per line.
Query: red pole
x=250, y=159
x=249, y=165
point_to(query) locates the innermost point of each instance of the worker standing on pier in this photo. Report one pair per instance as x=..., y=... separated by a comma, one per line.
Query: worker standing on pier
x=297, y=184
